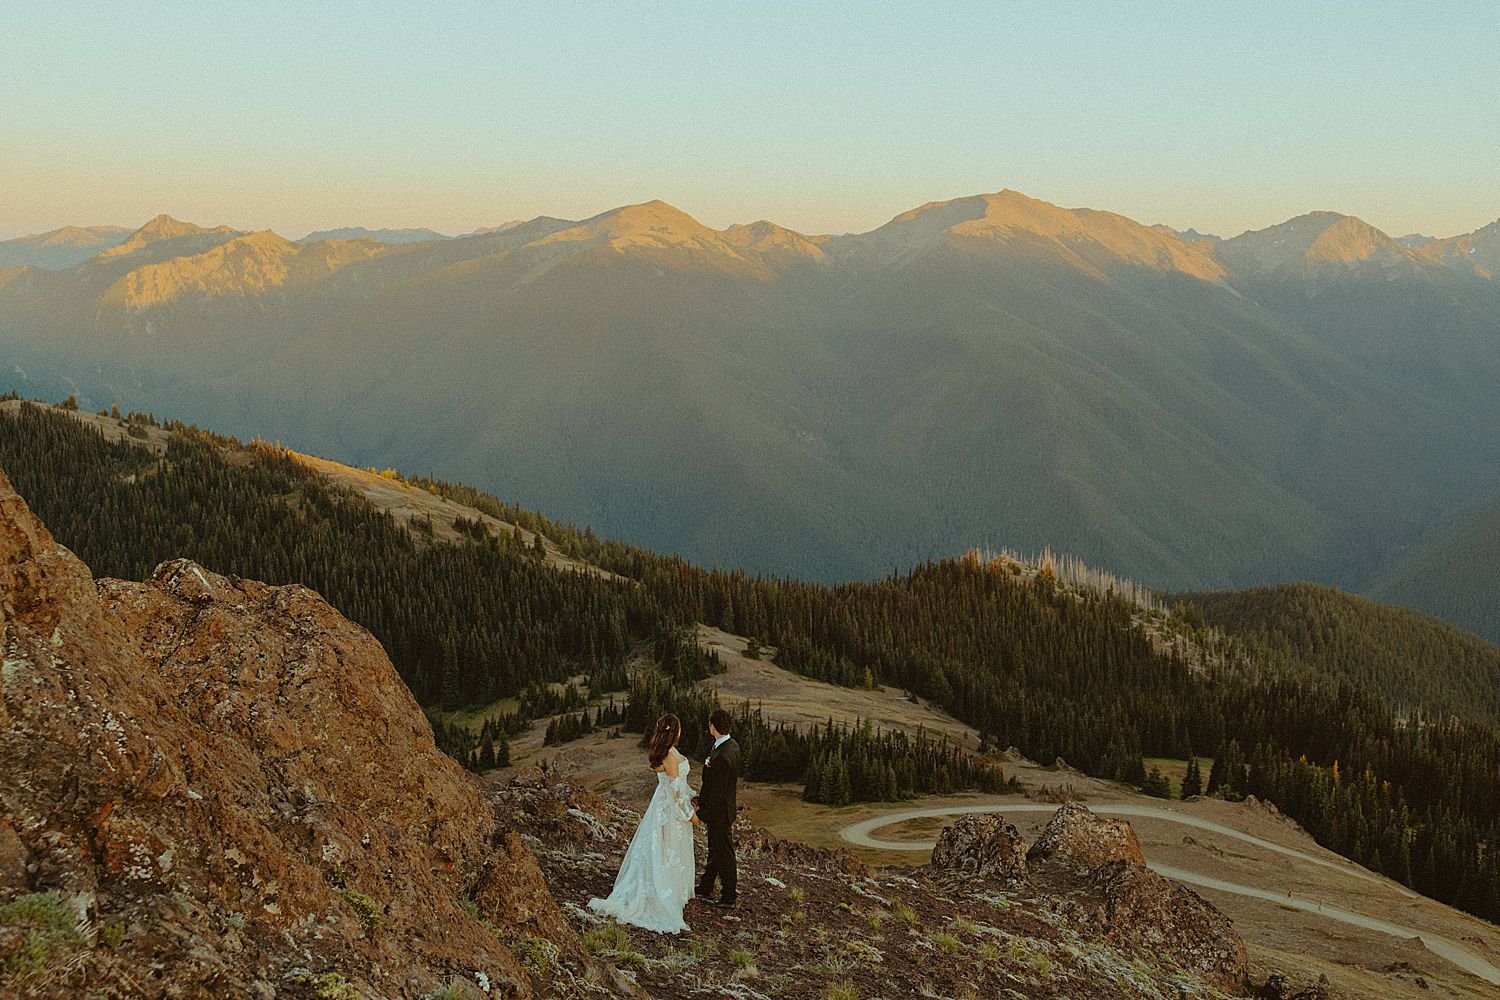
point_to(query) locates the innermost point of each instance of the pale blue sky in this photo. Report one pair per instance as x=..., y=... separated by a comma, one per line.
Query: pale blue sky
x=824, y=117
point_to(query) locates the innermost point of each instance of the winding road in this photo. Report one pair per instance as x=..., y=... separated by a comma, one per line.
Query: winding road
x=860, y=834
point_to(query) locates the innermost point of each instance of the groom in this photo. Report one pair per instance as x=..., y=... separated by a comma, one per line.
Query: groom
x=716, y=809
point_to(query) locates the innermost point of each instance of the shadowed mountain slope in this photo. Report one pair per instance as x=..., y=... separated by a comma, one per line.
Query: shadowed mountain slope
x=1451, y=573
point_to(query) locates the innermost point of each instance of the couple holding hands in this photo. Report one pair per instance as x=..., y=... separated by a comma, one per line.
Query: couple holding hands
x=656, y=877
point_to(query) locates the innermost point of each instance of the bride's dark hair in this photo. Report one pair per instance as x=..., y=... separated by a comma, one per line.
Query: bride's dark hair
x=664, y=738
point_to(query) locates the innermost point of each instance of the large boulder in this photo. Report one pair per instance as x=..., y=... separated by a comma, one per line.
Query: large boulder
x=1141, y=910
x=1077, y=837
x=981, y=844
x=1098, y=876
x=229, y=791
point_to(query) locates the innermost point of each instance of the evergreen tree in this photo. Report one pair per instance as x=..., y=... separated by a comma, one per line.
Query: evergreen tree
x=1217, y=772
x=1192, y=781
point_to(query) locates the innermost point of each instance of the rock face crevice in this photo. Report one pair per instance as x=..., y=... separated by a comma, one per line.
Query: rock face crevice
x=229, y=785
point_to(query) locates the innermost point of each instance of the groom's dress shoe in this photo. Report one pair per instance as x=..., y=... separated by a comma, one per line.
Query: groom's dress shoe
x=723, y=904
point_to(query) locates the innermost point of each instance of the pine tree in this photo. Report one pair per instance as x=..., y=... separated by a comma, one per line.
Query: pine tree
x=843, y=789
x=1217, y=772
x=1233, y=771
x=1192, y=781
x=812, y=790
x=502, y=752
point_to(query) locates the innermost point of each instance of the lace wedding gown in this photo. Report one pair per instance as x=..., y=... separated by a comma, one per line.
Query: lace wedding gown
x=656, y=878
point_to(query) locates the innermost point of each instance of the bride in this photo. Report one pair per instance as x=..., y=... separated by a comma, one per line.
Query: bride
x=656, y=878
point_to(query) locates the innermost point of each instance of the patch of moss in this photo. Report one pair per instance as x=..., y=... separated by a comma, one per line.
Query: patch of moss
x=538, y=955
x=112, y=935
x=610, y=937
x=327, y=985
x=48, y=930
x=367, y=908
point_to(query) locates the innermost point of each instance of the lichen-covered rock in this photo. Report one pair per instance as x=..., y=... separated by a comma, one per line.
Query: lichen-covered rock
x=981, y=844
x=1143, y=911
x=1077, y=837
x=232, y=785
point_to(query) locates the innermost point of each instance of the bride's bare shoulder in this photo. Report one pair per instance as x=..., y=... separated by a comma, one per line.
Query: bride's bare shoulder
x=673, y=764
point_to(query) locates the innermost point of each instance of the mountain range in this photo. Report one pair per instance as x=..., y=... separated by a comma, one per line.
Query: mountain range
x=1315, y=400
x=61, y=248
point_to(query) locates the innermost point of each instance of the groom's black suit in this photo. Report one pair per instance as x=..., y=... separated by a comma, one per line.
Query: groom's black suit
x=716, y=808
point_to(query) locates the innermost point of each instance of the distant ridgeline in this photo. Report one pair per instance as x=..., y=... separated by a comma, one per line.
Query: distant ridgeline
x=1092, y=671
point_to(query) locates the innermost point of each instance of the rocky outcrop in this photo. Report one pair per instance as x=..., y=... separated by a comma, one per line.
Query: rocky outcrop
x=981, y=844
x=1077, y=837
x=544, y=811
x=1091, y=872
x=1130, y=905
x=1143, y=911
x=228, y=790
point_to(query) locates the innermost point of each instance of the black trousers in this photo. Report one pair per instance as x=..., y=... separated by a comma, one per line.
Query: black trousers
x=720, y=864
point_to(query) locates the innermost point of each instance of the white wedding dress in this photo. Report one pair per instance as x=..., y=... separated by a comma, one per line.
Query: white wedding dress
x=657, y=876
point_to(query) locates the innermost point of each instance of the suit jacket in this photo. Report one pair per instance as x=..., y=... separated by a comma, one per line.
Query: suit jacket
x=721, y=775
